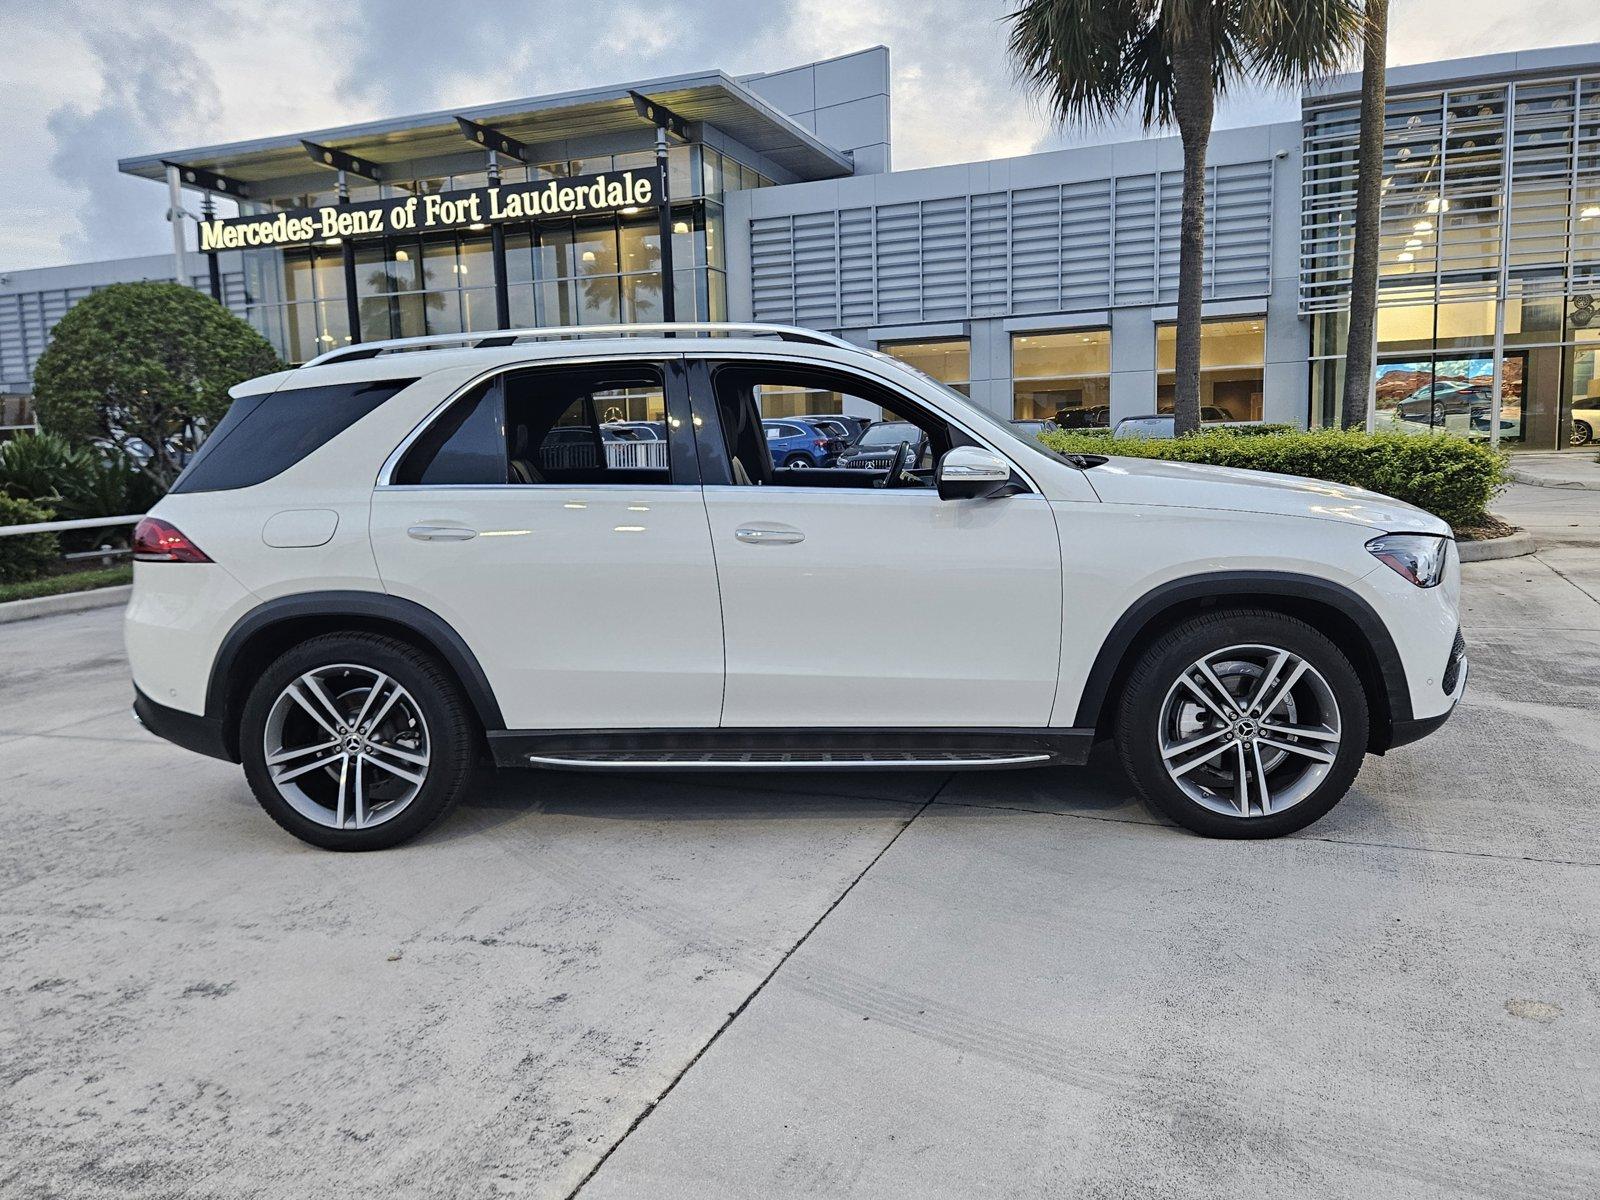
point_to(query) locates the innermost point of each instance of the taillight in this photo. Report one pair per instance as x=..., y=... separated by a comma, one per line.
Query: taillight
x=155, y=540
x=820, y=443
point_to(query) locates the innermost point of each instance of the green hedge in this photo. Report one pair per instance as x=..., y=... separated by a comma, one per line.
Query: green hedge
x=1450, y=477
x=31, y=554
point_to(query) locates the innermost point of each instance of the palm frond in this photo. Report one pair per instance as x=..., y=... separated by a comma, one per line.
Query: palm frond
x=1073, y=54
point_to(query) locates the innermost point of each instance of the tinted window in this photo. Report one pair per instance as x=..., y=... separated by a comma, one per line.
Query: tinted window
x=466, y=445
x=553, y=425
x=262, y=436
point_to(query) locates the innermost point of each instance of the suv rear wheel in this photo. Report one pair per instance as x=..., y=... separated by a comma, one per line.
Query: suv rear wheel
x=1242, y=724
x=356, y=741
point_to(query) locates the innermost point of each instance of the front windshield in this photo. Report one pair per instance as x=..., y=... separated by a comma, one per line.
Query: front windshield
x=890, y=434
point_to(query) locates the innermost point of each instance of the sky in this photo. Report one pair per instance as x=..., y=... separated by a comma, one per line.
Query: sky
x=89, y=81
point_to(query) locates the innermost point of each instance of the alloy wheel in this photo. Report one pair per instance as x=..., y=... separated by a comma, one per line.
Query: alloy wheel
x=346, y=746
x=1249, y=731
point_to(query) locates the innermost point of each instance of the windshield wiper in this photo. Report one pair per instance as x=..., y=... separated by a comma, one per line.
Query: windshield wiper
x=1085, y=462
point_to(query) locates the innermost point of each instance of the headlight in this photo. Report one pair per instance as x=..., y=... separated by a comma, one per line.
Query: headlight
x=1419, y=557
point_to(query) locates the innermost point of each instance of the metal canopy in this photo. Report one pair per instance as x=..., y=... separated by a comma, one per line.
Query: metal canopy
x=712, y=98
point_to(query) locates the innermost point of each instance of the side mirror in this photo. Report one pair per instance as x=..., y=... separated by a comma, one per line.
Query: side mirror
x=971, y=473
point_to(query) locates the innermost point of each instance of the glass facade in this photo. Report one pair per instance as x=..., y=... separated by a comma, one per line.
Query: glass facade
x=595, y=271
x=1064, y=377
x=1489, y=263
x=1232, y=369
x=949, y=360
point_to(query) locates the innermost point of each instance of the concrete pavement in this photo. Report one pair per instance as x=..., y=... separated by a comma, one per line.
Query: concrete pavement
x=1009, y=984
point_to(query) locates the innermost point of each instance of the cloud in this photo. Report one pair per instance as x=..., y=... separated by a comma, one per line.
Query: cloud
x=89, y=81
x=151, y=86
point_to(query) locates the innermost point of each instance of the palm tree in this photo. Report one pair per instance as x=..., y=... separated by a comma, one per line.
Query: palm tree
x=1369, y=210
x=1094, y=59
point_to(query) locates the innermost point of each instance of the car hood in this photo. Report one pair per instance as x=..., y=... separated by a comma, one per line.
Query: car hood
x=1196, y=485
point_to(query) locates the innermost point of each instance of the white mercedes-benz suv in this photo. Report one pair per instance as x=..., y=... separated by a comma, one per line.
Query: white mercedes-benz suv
x=404, y=556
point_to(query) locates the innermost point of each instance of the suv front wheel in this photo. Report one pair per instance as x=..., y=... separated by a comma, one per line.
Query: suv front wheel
x=1242, y=724
x=356, y=741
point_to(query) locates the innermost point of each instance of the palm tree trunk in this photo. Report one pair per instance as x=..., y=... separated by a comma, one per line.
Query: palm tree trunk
x=1193, y=102
x=1369, y=211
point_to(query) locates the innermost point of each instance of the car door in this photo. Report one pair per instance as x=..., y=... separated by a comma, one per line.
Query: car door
x=583, y=582
x=849, y=605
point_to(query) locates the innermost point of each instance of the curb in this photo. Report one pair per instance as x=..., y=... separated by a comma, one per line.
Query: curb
x=1515, y=546
x=1572, y=485
x=68, y=602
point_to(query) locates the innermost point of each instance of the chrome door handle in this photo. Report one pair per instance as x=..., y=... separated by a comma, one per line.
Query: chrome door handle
x=441, y=533
x=777, y=537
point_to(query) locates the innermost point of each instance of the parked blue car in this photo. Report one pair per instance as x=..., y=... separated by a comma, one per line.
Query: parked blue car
x=796, y=443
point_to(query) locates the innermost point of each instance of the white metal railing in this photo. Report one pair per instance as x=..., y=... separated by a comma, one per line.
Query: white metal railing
x=641, y=455
x=580, y=455
x=64, y=526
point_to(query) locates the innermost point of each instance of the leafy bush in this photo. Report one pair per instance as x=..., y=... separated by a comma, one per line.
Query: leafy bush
x=139, y=366
x=28, y=556
x=1450, y=477
x=74, y=481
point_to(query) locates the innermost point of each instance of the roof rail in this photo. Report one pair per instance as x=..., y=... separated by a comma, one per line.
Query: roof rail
x=483, y=339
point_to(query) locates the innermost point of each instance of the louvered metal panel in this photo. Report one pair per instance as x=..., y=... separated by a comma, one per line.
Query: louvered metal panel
x=989, y=222
x=816, y=269
x=1036, y=250
x=857, y=289
x=1135, y=210
x=899, y=265
x=772, y=269
x=1085, y=270
x=1088, y=244
x=945, y=284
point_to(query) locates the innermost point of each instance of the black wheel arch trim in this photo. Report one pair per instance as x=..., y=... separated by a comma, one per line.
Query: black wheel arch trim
x=1233, y=586
x=201, y=734
x=424, y=624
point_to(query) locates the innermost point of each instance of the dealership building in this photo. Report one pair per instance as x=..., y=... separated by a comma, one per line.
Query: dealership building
x=1043, y=285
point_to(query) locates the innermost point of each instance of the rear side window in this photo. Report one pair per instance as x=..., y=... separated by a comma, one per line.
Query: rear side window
x=263, y=436
x=466, y=445
x=562, y=425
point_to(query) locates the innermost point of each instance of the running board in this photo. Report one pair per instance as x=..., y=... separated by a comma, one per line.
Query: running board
x=791, y=750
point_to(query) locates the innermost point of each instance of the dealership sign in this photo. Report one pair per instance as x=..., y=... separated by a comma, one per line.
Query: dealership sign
x=605, y=192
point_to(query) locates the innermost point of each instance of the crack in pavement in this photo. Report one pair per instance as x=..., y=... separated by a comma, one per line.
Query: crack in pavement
x=1559, y=574
x=748, y=1000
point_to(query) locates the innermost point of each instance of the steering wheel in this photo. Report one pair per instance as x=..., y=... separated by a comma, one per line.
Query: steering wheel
x=899, y=465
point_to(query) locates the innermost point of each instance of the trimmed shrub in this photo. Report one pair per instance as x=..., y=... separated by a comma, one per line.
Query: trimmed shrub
x=1451, y=477
x=142, y=367
x=30, y=555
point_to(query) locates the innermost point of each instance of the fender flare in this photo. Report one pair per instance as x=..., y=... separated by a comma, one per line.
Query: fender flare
x=1247, y=585
x=425, y=625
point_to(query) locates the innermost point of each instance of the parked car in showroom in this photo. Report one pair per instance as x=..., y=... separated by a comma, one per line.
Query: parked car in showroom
x=1033, y=428
x=849, y=426
x=1584, y=423
x=407, y=556
x=1433, y=403
x=1162, y=425
x=879, y=444
x=795, y=443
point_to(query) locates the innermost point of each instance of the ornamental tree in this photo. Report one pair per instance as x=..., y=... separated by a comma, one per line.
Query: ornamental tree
x=145, y=368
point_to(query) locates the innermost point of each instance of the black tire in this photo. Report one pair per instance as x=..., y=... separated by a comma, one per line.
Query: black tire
x=452, y=736
x=1157, y=671
x=797, y=460
x=1582, y=433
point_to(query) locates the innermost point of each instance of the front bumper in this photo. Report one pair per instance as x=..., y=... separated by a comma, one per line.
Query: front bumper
x=1403, y=733
x=203, y=735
